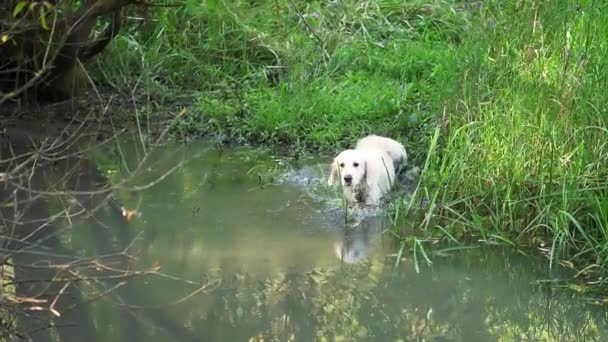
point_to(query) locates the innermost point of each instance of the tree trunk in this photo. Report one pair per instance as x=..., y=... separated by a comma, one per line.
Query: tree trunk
x=42, y=58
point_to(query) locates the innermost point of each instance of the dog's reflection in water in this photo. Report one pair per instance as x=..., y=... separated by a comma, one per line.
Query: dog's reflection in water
x=356, y=242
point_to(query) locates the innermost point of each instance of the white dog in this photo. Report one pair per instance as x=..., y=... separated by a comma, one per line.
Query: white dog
x=367, y=173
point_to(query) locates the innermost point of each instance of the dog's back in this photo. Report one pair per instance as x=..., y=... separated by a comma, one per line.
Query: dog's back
x=393, y=148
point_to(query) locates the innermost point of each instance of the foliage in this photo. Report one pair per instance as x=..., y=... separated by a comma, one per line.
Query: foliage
x=329, y=72
x=43, y=44
x=522, y=155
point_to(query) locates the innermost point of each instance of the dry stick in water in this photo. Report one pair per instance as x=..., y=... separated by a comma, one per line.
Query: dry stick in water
x=390, y=182
x=54, y=150
x=345, y=204
x=343, y=197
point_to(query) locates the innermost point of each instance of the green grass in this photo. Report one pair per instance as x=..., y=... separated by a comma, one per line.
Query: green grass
x=503, y=102
x=522, y=156
x=317, y=75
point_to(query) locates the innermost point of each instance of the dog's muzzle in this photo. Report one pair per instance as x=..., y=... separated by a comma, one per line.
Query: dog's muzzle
x=348, y=179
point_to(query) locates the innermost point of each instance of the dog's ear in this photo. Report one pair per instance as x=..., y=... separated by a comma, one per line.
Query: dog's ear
x=333, y=173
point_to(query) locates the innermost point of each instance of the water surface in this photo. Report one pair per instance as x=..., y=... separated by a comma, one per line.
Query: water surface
x=255, y=248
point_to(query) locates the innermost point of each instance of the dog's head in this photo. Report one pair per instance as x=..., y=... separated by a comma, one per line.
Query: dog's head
x=350, y=167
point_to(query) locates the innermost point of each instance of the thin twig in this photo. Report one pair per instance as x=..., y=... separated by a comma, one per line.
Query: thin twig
x=310, y=29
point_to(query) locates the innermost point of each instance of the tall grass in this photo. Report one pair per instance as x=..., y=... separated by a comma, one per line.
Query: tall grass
x=523, y=156
x=315, y=74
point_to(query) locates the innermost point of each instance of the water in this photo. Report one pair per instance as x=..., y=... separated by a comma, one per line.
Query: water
x=252, y=248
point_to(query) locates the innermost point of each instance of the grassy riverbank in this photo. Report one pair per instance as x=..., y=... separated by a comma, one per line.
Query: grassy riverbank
x=506, y=99
x=521, y=154
x=311, y=75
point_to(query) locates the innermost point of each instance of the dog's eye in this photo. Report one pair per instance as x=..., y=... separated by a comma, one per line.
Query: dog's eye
x=341, y=164
x=355, y=164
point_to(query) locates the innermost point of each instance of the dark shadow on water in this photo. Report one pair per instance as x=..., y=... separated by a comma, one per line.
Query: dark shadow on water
x=54, y=284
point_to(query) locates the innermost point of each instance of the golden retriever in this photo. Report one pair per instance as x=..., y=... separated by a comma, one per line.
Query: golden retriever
x=367, y=172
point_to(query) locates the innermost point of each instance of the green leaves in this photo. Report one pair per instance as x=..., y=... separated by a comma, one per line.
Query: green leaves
x=19, y=7
x=43, y=15
x=44, y=7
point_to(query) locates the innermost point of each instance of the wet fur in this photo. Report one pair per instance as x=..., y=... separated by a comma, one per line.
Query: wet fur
x=377, y=158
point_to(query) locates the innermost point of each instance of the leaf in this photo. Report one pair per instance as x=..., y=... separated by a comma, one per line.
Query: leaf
x=19, y=7
x=43, y=18
x=4, y=38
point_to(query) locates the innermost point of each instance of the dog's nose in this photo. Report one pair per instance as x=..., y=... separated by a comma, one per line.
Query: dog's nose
x=348, y=179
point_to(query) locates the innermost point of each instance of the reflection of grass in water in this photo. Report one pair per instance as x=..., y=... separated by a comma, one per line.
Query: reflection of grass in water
x=474, y=296
x=339, y=302
x=7, y=275
x=267, y=173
